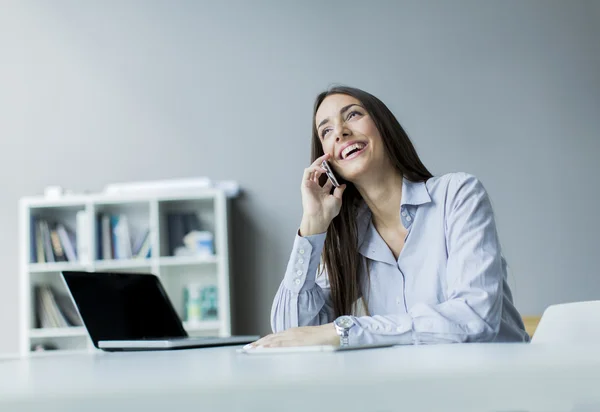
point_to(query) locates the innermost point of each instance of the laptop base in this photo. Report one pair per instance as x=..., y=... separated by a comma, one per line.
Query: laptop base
x=174, y=343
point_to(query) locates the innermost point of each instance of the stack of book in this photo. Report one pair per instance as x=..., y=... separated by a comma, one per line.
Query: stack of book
x=54, y=310
x=52, y=241
x=114, y=239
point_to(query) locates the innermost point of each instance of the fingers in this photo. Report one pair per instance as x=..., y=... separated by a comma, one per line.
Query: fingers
x=319, y=160
x=261, y=341
x=316, y=165
x=316, y=174
x=312, y=173
x=270, y=339
x=276, y=344
x=279, y=341
x=273, y=340
x=339, y=191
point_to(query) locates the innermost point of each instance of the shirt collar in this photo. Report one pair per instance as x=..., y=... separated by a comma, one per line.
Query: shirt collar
x=414, y=193
x=370, y=243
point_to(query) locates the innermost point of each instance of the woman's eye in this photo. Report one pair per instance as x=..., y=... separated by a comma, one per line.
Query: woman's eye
x=351, y=114
x=324, y=132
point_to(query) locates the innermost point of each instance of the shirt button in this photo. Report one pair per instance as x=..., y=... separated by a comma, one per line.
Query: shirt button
x=398, y=329
x=301, y=261
x=297, y=281
x=299, y=273
x=408, y=218
x=376, y=327
x=404, y=213
x=388, y=328
x=301, y=251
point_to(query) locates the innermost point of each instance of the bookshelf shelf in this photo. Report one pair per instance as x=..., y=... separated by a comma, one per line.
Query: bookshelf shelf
x=122, y=264
x=57, y=332
x=187, y=260
x=131, y=232
x=54, y=267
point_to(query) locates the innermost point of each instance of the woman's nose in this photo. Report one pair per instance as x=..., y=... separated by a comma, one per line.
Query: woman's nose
x=341, y=131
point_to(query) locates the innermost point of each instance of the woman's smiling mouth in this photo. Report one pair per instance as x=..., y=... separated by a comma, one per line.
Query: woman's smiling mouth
x=352, y=150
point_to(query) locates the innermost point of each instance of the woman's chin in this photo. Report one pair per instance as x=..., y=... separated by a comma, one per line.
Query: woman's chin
x=353, y=178
x=355, y=172
x=363, y=176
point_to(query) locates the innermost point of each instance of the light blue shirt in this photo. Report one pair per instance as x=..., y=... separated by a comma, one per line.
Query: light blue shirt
x=447, y=285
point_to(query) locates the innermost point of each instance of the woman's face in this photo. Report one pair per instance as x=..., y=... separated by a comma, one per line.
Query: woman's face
x=349, y=135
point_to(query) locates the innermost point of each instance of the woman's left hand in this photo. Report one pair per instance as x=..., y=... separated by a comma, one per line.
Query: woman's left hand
x=300, y=336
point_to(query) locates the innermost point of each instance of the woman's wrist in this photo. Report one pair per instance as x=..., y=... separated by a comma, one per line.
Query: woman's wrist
x=313, y=226
x=330, y=335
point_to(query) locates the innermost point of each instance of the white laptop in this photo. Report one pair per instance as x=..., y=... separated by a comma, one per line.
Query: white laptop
x=131, y=311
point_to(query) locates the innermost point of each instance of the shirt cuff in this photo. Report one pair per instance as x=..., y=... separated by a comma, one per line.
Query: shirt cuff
x=396, y=329
x=304, y=262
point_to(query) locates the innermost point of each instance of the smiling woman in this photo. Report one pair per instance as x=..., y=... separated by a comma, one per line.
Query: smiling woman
x=418, y=253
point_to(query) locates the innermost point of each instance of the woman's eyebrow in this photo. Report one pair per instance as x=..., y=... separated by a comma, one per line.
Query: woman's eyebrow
x=343, y=109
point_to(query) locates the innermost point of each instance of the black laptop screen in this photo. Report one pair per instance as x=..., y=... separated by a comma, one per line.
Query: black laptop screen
x=123, y=306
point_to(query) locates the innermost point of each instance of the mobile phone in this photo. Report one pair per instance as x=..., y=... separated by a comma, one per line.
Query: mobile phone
x=329, y=173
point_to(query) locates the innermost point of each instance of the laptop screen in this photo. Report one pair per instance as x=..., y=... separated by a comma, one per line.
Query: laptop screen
x=123, y=306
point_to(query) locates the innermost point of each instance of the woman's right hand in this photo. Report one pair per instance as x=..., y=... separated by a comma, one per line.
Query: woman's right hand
x=319, y=205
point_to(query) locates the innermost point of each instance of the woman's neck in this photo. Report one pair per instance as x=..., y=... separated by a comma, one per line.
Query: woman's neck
x=383, y=195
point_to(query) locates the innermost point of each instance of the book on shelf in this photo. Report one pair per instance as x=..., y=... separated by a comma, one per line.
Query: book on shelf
x=53, y=309
x=81, y=240
x=116, y=238
x=200, y=303
x=68, y=242
x=141, y=244
x=52, y=241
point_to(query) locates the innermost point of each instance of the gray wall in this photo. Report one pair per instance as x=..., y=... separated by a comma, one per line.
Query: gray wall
x=101, y=91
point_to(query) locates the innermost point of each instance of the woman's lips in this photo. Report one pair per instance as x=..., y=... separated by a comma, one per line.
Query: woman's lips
x=355, y=154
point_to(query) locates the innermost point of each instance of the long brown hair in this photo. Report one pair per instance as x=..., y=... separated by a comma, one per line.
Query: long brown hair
x=340, y=253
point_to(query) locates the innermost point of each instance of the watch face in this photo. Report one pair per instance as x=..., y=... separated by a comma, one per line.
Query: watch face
x=344, y=322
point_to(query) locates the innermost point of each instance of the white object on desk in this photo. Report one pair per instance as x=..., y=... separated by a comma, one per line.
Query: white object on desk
x=288, y=349
x=569, y=323
x=312, y=348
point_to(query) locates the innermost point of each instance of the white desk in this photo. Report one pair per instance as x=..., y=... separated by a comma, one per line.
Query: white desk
x=467, y=377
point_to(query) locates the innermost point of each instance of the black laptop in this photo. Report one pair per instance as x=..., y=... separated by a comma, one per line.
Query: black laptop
x=131, y=311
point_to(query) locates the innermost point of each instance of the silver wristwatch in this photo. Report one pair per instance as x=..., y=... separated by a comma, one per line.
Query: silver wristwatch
x=342, y=326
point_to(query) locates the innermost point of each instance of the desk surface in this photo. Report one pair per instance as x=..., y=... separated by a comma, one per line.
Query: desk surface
x=482, y=377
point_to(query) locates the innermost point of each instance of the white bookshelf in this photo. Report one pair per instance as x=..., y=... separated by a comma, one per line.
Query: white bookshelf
x=144, y=212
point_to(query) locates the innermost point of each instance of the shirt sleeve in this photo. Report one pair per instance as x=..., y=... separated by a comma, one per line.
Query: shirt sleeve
x=475, y=276
x=304, y=296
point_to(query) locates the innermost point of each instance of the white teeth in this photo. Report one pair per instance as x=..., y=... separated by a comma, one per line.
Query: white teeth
x=358, y=146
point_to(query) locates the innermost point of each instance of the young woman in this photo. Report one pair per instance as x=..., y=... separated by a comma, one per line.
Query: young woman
x=418, y=255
